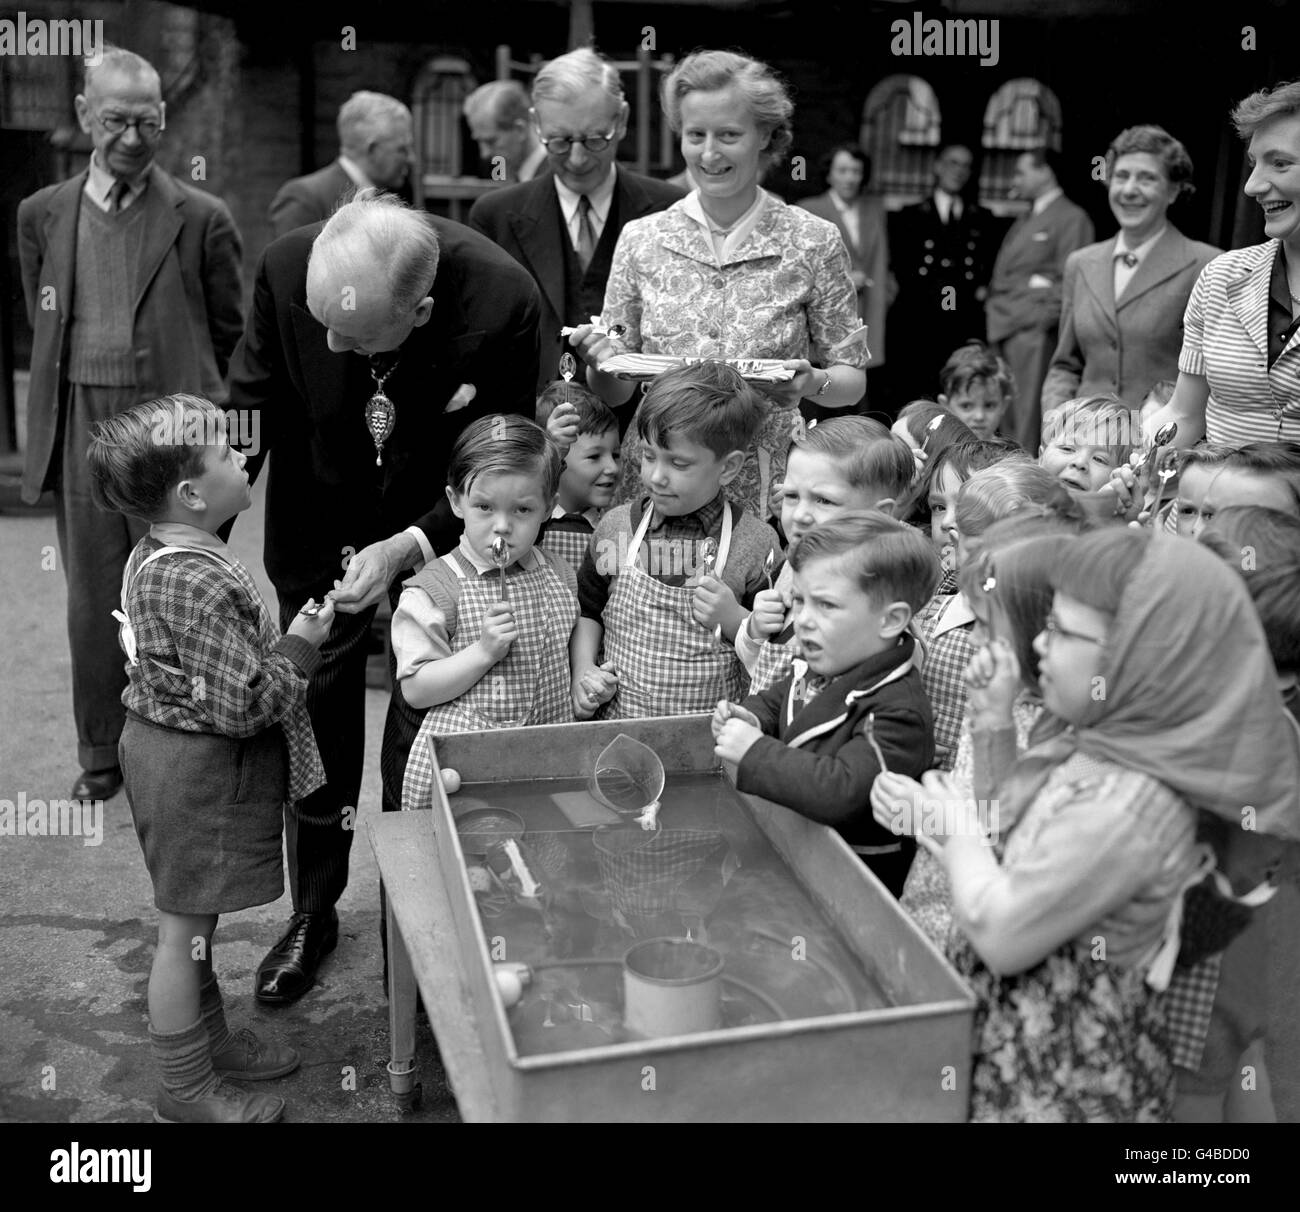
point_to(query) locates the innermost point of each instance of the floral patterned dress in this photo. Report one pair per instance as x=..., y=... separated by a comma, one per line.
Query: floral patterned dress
x=1080, y=1036
x=784, y=292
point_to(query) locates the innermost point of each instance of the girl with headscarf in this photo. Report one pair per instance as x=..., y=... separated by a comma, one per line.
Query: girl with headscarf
x=1160, y=700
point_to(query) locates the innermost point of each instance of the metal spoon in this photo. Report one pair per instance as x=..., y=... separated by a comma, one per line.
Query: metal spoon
x=871, y=740
x=501, y=557
x=768, y=565
x=708, y=555
x=568, y=367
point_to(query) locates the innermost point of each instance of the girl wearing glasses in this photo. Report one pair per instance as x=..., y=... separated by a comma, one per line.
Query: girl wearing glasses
x=1070, y=920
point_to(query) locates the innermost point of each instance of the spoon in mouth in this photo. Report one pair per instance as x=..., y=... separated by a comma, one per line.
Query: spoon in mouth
x=501, y=557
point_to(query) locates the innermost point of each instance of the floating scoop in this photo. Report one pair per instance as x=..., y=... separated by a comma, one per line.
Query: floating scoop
x=629, y=778
x=501, y=557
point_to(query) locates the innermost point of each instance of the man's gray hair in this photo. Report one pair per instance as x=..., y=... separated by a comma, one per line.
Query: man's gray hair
x=365, y=116
x=505, y=102
x=378, y=229
x=574, y=75
x=118, y=59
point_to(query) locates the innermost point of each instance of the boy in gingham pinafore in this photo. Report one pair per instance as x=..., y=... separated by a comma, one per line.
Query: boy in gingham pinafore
x=216, y=739
x=668, y=578
x=477, y=652
x=833, y=467
x=587, y=431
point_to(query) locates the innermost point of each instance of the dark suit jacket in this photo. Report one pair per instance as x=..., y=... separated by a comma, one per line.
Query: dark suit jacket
x=187, y=310
x=309, y=199
x=870, y=257
x=326, y=494
x=525, y=220
x=1124, y=348
x=815, y=758
x=1036, y=244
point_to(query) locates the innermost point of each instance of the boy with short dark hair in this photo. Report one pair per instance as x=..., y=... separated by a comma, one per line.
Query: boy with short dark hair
x=669, y=578
x=853, y=703
x=583, y=426
x=977, y=388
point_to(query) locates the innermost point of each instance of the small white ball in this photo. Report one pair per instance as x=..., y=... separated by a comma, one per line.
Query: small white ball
x=509, y=986
x=450, y=780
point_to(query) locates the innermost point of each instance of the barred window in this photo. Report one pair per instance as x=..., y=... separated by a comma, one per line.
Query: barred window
x=1022, y=114
x=901, y=132
x=440, y=91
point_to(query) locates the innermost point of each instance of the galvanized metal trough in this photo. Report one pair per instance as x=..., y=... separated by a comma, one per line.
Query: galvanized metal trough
x=906, y=1061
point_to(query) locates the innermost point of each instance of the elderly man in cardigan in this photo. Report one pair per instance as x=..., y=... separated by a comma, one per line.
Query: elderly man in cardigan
x=132, y=284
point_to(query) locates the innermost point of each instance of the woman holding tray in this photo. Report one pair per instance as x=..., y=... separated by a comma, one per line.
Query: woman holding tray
x=731, y=271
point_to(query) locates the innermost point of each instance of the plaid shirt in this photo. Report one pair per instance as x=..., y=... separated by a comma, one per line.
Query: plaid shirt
x=210, y=657
x=942, y=669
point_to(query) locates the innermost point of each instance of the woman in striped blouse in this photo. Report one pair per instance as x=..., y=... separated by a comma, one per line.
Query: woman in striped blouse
x=1239, y=372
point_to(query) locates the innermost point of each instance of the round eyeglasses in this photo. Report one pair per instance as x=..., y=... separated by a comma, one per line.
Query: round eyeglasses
x=1052, y=628
x=115, y=124
x=559, y=145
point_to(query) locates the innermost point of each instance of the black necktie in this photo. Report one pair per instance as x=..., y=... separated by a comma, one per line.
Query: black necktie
x=586, y=233
x=117, y=196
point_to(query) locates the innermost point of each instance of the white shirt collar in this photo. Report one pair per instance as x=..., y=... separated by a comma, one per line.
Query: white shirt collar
x=100, y=183
x=739, y=231
x=957, y=613
x=1122, y=246
x=353, y=170
x=842, y=206
x=600, y=198
x=1043, y=201
x=532, y=164
x=182, y=534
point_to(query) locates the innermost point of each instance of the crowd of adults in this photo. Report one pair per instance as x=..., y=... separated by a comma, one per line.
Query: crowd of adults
x=451, y=323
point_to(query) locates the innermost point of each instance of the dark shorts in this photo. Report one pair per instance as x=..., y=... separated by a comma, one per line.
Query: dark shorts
x=209, y=812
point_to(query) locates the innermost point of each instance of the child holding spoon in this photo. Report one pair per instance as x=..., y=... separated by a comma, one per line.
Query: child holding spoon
x=481, y=636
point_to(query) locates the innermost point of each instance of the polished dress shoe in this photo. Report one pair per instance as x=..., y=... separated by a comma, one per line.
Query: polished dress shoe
x=97, y=784
x=225, y=1105
x=250, y=1059
x=289, y=968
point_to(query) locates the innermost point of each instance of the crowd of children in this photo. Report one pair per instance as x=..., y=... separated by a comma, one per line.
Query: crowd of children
x=929, y=612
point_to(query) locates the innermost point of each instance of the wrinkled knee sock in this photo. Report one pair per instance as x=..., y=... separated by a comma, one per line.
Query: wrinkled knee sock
x=214, y=1016
x=185, y=1059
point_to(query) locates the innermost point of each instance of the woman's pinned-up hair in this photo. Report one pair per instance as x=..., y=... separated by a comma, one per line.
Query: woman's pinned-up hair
x=1158, y=142
x=763, y=90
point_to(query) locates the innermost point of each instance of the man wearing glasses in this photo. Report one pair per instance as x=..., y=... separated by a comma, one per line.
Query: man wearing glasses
x=563, y=225
x=132, y=284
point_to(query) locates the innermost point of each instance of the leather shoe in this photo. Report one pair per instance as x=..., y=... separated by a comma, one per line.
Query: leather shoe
x=289, y=968
x=250, y=1059
x=97, y=784
x=225, y=1105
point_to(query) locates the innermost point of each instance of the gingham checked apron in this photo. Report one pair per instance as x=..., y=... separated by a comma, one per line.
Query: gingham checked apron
x=667, y=664
x=530, y=684
x=773, y=661
x=570, y=545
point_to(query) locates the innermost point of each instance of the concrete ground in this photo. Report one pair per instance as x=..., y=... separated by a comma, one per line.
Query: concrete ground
x=77, y=923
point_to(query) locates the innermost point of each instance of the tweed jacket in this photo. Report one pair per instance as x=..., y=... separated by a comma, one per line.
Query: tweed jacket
x=1124, y=347
x=187, y=313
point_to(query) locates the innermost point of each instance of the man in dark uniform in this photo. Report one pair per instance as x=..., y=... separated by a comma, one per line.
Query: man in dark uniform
x=941, y=250
x=372, y=342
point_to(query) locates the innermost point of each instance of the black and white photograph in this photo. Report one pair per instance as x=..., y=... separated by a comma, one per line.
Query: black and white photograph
x=698, y=562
